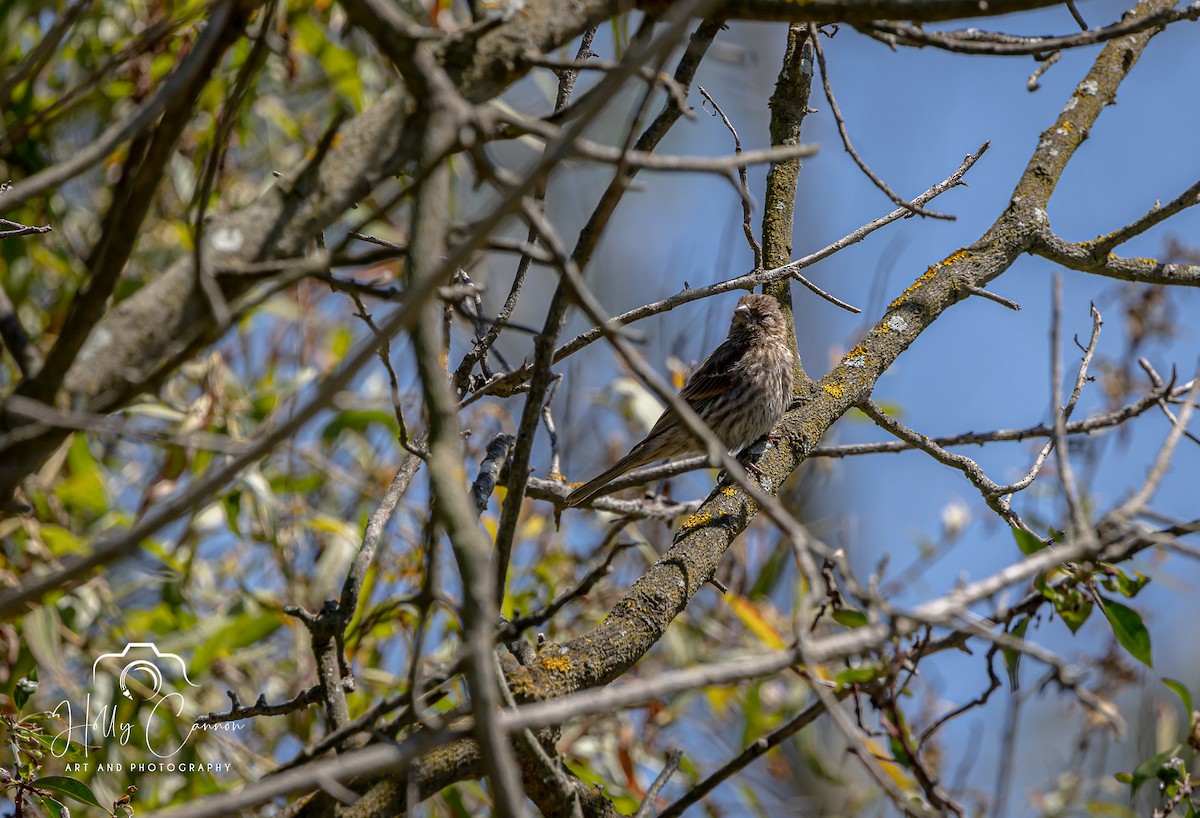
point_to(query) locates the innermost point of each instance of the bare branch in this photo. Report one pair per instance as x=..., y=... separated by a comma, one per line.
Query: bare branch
x=489, y=470
x=348, y=602
x=974, y=41
x=744, y=188
x=753, y=751
x=1137, y=503
x=1106, y=420
x=237, y=711
x=644, y=160
x=672, y=764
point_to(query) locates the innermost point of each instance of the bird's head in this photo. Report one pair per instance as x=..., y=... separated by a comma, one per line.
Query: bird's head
x=757, y=312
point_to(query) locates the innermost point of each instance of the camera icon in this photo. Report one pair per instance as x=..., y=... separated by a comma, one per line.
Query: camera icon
x=149, y=671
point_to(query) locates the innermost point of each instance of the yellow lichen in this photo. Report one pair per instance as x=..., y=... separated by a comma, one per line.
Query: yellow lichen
x=911, y=288
x=700, y=518
x=957, y=255
x=556, y=664
x=835, y=389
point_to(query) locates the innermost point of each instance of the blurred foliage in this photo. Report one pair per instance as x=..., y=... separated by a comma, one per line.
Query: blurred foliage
x=213, y=588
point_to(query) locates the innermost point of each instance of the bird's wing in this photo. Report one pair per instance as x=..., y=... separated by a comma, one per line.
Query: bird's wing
x=713, y=378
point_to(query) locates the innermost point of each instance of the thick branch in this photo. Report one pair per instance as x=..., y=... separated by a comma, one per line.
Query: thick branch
x=974, y=41
x=1083, y=257
x=859, y=11
x=789, y=105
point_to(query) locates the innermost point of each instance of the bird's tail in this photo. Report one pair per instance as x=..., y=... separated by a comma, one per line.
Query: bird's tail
x=596, y=485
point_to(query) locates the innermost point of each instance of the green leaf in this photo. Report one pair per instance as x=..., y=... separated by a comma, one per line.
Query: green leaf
x=899, y=753
x=41, y=630
x=1180, y=690
x=850, y=617
x=26, y=687
x=1012, y=656
x=61, y=541
x=1171, y=772
x=858, y=675
x=1121, y=583
x=232, y=502
x=1045, y=589
x=53, y=807
x=358, y=420
x=69, y=787
x=83, y=487
x=1129, y=629
x=1151, y=768
x=1028, y=543
x=454, y=800
x=1074, y=608
x=774, y=568
x=237, y=632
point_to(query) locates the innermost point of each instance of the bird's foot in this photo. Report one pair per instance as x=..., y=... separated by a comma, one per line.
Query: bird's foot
x=747, y=455
x=753, y=469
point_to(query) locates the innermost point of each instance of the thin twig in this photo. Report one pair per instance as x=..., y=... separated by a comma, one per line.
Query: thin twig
x=1060, y=412
x=580, y=590
x=1168, y=395
x=754, y=750
x=837, y=302
x=1162, y=460
x=348, y=601
x=669, y=767
x=747, y=209
x=1083, y=26
x=991, y=296
x=237, y=711
x=814, y=35
x=991, y=491
x=1035, y=76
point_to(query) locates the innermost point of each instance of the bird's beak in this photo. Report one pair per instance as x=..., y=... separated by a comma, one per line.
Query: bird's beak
x=742, y=310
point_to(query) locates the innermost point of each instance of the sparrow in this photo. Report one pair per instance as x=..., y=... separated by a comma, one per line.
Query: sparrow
x=741, y=390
